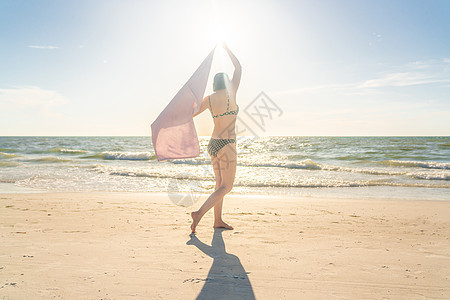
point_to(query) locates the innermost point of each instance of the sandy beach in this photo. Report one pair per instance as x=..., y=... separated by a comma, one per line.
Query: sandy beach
x=137, y=245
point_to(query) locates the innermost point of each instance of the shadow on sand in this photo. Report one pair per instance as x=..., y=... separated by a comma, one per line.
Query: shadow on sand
x=227, y=278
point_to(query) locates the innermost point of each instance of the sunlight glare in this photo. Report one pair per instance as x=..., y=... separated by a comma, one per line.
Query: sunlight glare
x=220, y=23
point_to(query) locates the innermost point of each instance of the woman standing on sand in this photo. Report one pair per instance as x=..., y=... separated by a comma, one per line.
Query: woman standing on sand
x=222, y=145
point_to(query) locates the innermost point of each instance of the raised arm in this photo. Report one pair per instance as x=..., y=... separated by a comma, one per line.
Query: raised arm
x=237, y=68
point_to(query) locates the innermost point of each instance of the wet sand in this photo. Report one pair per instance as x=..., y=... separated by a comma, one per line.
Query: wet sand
x=137, y=245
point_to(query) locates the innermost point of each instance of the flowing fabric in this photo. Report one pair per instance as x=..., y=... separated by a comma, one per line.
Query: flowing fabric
x=173, y=132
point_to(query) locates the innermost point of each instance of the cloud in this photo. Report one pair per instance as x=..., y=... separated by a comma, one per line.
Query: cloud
x=412, y=74
x=401, y=79
x=312, y=89
x=378, y=37
x=31, y=99
x=420, y=64
x=43, y=47
x=418, y=72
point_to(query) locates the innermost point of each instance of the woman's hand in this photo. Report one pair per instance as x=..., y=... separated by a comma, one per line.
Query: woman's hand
x=203, y=106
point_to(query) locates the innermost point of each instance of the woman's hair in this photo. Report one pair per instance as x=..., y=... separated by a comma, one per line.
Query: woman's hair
x=221, y=81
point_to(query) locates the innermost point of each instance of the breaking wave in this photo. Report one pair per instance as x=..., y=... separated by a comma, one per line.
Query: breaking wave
x=417, y=164
x=116, y=155
x=68, y=151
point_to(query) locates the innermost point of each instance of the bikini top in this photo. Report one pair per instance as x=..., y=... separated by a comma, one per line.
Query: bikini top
x=228, y=112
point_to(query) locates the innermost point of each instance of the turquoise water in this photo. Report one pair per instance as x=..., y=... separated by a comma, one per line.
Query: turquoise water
x=398, y=167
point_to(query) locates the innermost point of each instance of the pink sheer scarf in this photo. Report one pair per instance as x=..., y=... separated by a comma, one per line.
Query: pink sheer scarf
x=173, y=132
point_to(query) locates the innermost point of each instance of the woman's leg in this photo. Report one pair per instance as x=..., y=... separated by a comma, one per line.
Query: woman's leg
x=227, y=164
x=216, y=168
x=218, y=222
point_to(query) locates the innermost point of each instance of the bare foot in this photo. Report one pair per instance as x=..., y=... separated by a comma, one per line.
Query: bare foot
x=195, y=220
x=222, y=224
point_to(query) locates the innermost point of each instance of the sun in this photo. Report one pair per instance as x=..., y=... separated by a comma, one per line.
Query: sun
x=220, y=29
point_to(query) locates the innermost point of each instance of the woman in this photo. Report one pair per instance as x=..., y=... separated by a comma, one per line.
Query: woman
x=222, y=145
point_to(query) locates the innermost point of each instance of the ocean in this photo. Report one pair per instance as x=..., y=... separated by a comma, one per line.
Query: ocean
x=350, y=167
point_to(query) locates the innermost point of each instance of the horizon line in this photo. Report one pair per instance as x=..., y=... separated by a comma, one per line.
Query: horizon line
x=149, y=136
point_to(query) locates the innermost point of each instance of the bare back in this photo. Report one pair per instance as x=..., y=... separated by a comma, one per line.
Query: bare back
x=224, y=125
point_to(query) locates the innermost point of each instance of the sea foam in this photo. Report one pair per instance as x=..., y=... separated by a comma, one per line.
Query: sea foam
x=68, y=151
x=8, y=155
x=417, y=164
x=128, y=155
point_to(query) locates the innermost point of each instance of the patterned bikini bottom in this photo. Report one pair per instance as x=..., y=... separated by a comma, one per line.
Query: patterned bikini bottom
x=215, y=145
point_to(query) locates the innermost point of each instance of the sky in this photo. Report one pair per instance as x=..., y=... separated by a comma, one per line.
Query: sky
x=339, y=68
